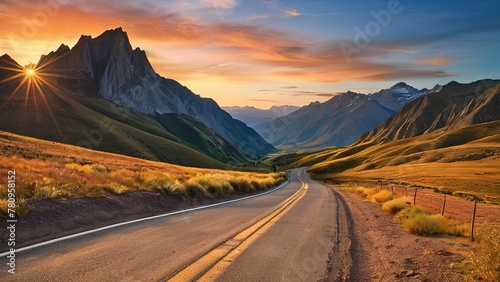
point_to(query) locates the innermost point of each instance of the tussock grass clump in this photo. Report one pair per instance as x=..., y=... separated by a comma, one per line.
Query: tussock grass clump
x=195, y=190
x=215, y=184
x=242, y=185
x=369, y=192
x=420, y=221
x=21, y=207
x=96, y=169
x=395, y=205
x=484, y=263
x=372, y=194
x=115, y=188
x=381, y=197
x=358, y=190
x=152, y=179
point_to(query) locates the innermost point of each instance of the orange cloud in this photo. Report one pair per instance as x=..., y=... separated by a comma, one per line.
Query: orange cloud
x=438, y=61
x=187, y=48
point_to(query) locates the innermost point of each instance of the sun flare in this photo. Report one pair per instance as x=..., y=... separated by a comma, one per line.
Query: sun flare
x=30, y=72
x=36, y=83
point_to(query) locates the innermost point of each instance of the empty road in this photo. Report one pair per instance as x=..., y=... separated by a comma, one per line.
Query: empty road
x=297, y=233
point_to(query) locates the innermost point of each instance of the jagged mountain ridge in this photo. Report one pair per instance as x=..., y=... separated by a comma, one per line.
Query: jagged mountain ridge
x=450, y=107
x=82, y=117
x=108, y=68
x=339, y=121
x=98, y=124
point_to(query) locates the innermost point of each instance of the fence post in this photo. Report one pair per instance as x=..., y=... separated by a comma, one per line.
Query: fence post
x=473, y=220
x=444, y=205
x=415, y=196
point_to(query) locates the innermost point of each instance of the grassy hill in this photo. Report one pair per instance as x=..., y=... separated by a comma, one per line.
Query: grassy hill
x=46, y=169
x=465, y=160
x=97, y=124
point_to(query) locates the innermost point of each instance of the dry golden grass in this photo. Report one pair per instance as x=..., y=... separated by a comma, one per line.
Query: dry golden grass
x=49, y=170
x=414, y=219
x=395, y=205
x=465, y=160
x=485, y=261
x=433, y=224
x=381, y=197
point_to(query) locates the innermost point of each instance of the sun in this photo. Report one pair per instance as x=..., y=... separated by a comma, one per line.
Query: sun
x=37, y=83
x=30, y=72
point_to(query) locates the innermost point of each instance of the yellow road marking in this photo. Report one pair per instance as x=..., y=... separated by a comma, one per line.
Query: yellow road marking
x=212, y=264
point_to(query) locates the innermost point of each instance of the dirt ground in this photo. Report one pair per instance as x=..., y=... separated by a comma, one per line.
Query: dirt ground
x=385, y=252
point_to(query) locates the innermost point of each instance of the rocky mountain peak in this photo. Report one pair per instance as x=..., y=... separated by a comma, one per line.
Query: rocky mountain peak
x=400, y=85
x=107, y=67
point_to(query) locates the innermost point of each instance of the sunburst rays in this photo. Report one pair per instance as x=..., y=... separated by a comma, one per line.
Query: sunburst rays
x=38, y=84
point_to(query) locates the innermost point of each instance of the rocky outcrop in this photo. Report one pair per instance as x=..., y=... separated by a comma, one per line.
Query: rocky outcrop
x=108, y=68
x=452, y=106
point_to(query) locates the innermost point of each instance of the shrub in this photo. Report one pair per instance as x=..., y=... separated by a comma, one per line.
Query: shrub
x=381, y=197
x=394, y=206
x=420, y=221
x=410, y=212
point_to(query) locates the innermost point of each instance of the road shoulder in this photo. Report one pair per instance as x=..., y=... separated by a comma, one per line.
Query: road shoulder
x=383, y=251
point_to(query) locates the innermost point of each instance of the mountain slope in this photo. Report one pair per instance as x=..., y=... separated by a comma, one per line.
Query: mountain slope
x=455, y=105
x=447, y=139
x=78, y=116
x=253, y=116
x=97, y=124
x=445, y=159
x=108, y=68
x=339, y=121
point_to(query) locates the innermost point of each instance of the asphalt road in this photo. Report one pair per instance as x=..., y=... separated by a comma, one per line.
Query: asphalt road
x=308, y=240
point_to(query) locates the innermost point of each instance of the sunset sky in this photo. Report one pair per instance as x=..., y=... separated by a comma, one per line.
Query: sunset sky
x=266, y=52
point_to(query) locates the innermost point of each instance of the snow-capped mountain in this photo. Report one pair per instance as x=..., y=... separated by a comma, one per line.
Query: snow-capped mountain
x=339, y=121
x=451, y=106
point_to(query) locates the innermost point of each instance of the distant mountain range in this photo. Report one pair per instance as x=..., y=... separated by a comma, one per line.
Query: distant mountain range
x=454, y=106
x=253, y=117
x=339, y=121
x=103, y=81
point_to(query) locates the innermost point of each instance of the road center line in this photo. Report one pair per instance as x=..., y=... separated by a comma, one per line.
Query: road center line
x=212, y=264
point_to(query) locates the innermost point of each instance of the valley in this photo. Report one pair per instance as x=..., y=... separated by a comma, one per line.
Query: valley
x=106, y=152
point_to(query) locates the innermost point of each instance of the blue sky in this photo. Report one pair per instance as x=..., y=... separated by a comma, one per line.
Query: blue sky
x=269, y=52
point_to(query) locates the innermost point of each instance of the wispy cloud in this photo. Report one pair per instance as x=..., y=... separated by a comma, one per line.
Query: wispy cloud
x=437, y=61
x=186, y=47
x=221, y=4
x=286, y=11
